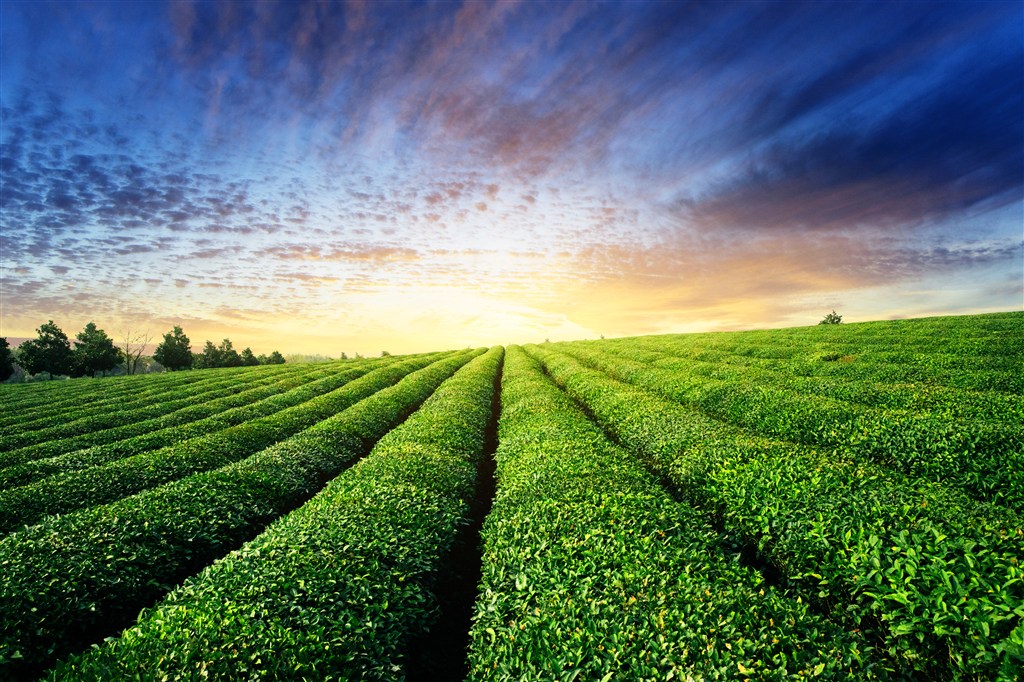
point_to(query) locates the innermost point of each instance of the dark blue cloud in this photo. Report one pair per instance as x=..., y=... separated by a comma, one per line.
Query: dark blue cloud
x=63, y=185
x=956, y=148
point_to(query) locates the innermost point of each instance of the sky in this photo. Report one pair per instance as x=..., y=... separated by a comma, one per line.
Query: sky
x=320, y=177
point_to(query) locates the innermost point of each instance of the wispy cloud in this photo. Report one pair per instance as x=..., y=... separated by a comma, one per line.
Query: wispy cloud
x=354, y=252
x=952, y=151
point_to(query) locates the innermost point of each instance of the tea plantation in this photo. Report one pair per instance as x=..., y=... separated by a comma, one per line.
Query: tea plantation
x=838, y=502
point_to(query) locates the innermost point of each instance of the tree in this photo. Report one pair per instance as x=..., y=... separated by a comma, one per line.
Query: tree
x=248, y=359
x=51, y=352
x=175, y=351
x=275, y=359
x=94, y=352
x=209, y=358
x=832, y=318
x=132, y=347
x=229, y=357
x=6, y=360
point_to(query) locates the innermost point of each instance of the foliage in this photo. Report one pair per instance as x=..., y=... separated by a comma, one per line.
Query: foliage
x=50, y=352
x=248, y=359
x=700, y=506
x=84, y=395
x=6, y=360
x=947, y=590
x=392, y=517
x=310, y=402
x=310, y=357
x=118, y=558
x=108, y=432
x=94, y=352
x=209, y=358
x=227, y=354
x=931, y=442
x=832, y=318
x=132, y=348
x=175, y=351
x=592, y=571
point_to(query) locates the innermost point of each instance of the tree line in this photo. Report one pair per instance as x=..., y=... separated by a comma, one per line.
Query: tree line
x=95, y=353
x=175, y=352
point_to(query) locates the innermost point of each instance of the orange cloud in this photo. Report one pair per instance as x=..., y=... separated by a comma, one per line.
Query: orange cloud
x=352, y=252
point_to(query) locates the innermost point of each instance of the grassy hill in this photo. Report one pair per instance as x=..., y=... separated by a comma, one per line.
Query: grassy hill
x=837, y=501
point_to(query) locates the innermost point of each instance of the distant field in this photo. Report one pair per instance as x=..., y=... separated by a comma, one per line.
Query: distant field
x=838, y=501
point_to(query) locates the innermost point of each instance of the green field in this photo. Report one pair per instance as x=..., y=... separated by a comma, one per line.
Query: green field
x=833, y=502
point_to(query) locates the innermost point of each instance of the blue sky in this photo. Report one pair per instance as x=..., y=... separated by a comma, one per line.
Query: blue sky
x=320, y=177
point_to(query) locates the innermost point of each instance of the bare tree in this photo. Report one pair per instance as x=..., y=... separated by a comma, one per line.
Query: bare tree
x=133, y=346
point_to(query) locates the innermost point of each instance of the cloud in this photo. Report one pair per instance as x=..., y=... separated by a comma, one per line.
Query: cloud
x=305, y=278
x=952, y=151
x=623, y=160
x=54, y=191
x=212, y=253
x=350, y=252
x=761, y=281
x=512, y=83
